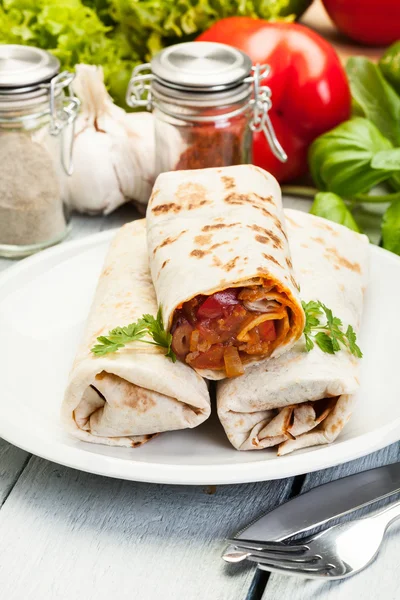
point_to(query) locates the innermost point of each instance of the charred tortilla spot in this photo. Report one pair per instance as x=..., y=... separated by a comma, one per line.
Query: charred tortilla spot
x=165, y=263
x=272, y=259
x=106, y=272
x=262, y=239
x=281, y=229
x=318, y=240
x=340, y=261
x=229, y=182
x=289, y=263
x=258, y=229
x=296, y=285
x=166, y=208
x=192, y=195
x=231, y=264
x=198, y=253
x=271, y=239
x=169, y=240
x=216, y=261
x=137, y=444
x=218, y=226
x=203, y=240
x=214, y=246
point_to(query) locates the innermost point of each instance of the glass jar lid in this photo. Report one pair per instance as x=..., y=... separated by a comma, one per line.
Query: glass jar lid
x=25, y=66
x=201, y=66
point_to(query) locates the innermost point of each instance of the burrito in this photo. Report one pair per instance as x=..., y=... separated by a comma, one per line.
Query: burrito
x=221, y=268
x=125, y=398
x=304, y=398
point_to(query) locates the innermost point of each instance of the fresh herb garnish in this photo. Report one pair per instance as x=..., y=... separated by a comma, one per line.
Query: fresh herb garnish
x=135, y=332
x=325, y=330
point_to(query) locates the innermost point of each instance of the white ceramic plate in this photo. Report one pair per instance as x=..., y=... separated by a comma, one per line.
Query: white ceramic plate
x=44, y=302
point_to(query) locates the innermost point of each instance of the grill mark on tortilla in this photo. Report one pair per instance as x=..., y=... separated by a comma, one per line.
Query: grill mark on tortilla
x=198, y=253
x=279, y=226
x=341, y=261
x=259, y=229
x=296, y=285
x=318, y=240
x=216, y=261
x=106, y=271
x=267, y=237
x=218, y=226
x=229, y=182
x=323, y=226
x=218, y=245
x=272, y=238
x=168, y=240
x=231, y=264
x=192, y=195
x=165, y=263
x=304, y=245
x=272, y=259
x=293, y=223
x=289, y=263
x=165, y=208
x=203, y=240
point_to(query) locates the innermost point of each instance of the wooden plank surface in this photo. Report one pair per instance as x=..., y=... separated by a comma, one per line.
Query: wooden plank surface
x=381, y=581
x=67, y=535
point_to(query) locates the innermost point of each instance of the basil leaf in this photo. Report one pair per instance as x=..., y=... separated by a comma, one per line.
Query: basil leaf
x=391, y=228
x=330, y=206
x=388, y=160
x=340, y=160
x=375, y=96
x=390, y=65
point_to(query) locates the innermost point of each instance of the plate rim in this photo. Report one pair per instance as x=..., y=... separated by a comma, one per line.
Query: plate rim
x=77, y=457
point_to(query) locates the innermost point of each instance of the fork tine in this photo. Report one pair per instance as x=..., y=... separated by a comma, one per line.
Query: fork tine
x=287, y=559
x=276, y=547
x=294, y=568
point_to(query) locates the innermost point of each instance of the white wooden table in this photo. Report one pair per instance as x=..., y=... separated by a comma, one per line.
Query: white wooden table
x=67, y=535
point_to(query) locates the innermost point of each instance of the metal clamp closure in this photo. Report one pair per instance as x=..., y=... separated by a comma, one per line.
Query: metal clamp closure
x=139, y=87
x=59, y=121
x=262, y=103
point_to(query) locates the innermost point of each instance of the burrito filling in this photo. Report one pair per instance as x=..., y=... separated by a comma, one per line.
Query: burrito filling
x=225, y=330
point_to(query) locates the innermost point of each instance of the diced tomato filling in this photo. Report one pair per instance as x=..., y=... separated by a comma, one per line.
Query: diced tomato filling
x=205, y=329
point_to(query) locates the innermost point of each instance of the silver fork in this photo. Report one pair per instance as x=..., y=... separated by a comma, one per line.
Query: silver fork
x=335, y=553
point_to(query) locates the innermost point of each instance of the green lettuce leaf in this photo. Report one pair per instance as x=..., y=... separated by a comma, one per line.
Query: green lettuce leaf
x=331, y=206
x=340, y=160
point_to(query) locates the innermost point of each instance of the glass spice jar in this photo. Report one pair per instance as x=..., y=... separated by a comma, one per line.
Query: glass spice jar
x=207, y=100
x=37, y=113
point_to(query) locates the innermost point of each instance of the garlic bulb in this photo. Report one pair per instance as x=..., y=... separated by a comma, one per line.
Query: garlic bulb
x=114, y=153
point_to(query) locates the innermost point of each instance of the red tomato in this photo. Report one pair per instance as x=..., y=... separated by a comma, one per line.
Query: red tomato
x=310, y=92
x=267, y=331
x=212, y=359
x=210, y=309
x=215, y=306
x=366, y=21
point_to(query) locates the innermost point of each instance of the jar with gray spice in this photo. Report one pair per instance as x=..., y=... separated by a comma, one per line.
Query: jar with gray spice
x=37, y=113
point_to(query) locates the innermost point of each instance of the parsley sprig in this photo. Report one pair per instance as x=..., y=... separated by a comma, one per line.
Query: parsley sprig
x=326, y=330
x=147, y=325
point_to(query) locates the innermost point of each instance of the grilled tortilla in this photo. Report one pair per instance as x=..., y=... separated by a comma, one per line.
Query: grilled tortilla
x=126, y=398
x=304, y=399
x=222, y=269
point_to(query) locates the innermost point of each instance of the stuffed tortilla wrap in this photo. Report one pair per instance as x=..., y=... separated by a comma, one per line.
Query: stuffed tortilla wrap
x=125, y=398
x=221, y=267
x=304, y=398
